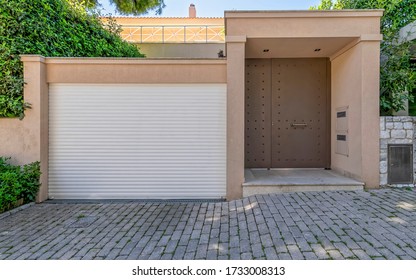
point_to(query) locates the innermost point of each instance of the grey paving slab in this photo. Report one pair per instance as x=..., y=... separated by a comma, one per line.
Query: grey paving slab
x=284, y=256
x=379, y=224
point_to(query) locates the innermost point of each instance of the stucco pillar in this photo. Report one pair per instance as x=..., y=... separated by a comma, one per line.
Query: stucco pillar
x=235, y=115
x=36, y=120
x=370, y=117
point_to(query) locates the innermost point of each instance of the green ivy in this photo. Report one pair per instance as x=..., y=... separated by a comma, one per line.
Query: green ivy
x=17, y=183
x=52, y=28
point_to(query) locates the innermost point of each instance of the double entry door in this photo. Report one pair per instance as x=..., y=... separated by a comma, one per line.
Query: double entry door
x=287, y=113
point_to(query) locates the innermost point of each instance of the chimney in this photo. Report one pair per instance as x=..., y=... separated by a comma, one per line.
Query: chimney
x=192, y=11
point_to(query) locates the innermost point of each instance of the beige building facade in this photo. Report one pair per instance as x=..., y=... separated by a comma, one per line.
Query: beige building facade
x=297, y=89
x=349, y=40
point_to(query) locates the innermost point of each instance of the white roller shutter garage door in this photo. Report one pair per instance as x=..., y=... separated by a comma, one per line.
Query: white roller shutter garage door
x=137, y=141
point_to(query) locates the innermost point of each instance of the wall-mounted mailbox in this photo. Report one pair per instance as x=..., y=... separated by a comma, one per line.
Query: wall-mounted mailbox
x=341, y=146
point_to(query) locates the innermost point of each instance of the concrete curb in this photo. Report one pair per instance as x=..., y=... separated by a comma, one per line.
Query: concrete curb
x=15, y=210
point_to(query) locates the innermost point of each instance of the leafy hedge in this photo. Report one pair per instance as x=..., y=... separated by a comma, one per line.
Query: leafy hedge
x=17, y=183
x=53, y=28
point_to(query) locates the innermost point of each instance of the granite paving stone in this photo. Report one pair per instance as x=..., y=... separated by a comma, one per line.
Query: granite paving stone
x=284, y=256
x=179, y=253
x=320, y=252
x=257, y=250
x=335, y=255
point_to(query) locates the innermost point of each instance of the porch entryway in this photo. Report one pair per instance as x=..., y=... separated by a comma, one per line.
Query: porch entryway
x=347, y=44
x=262, y=181
x=287, y=127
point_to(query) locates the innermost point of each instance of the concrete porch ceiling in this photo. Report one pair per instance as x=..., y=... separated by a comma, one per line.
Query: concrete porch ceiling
x=295, y=47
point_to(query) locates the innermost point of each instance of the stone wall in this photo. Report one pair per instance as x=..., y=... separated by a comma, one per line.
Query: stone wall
x=395, y=130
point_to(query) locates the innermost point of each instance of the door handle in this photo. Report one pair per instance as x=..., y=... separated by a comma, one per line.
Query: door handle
x=298, y=125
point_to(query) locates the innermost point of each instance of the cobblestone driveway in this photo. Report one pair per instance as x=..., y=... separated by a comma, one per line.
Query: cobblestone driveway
x=378, y=224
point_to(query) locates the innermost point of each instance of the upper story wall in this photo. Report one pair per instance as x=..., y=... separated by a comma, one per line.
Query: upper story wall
x=171, y=30
x=174, y=37
x=181, y=50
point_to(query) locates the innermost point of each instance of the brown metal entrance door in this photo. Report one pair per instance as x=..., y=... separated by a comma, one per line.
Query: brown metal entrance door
x=299, y=113
x=286, y=113
x=258, y=113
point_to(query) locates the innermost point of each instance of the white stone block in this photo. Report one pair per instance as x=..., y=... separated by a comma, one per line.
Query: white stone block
x=398, y=134
x=408, y=125
x=400, y=141
x=383, y=143
x=382, y=123
x=389, y=125
x=383, y=155
x=409, y=134
x=383, y=167
x=398, y=125
x=385, y=134
x=383, y=179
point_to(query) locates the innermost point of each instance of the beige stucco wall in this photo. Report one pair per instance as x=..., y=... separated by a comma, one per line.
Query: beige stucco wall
x=370, y=119
x=297, y=24
x=184, y=50
x=235, y=116
x=110, y=70
x=345, y=93
x=12, y=139
x=26, y=141
x=355, y=85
